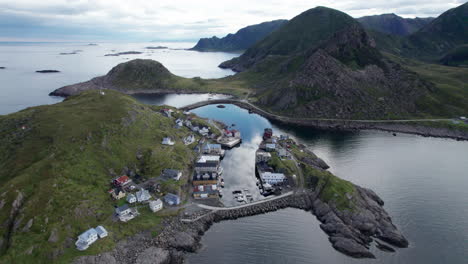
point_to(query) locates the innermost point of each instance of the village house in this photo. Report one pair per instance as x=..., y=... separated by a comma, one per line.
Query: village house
x=179, y=123
x=205, y=178
x=267, y=133
x=143, y=195
x=262, y=156
x=232, y=133
x=188, y=123
x=86, y=239
x=204, y=131
x=101, y=231
x=189, y=139
x=121, y=181
x=168, y=141
x=270, y=147
x=272, y=178
x=170, y=174
x=213, y=149
x=167, y=112
x=155, y=205
x=125, y=213
x=172, y=199
x=131, y=198
x=117, y=193
x=208, y=163
x=205, y=191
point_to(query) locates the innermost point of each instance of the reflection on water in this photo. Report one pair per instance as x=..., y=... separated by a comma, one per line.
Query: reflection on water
x=177, y=100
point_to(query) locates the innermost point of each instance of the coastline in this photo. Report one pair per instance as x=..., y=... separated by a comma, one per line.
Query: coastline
x=179, y=237
x=335, y=124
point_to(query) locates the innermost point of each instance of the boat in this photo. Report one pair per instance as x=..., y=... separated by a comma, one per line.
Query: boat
x=220, y=170
x=240, y=198
x=221, y=106
x=220, y=192
x=236, y=192
x=222, y=184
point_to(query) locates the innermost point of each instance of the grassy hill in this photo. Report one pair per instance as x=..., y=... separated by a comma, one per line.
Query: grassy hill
x=56, y=163
x=241, y=40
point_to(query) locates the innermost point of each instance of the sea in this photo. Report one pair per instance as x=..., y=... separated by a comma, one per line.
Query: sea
x=423, y=180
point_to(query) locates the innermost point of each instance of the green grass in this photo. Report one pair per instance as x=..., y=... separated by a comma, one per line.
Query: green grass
x=61, y=164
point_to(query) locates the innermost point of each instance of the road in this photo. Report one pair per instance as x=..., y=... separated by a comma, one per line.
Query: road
x=245, y=104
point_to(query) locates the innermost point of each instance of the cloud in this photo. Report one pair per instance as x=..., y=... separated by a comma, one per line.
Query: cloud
x=138, y=20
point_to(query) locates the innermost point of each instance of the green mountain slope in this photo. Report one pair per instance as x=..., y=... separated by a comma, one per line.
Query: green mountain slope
x=326, y=65
x=303, y=32
x=56, y=163
x=393, y=24
x=241, y=40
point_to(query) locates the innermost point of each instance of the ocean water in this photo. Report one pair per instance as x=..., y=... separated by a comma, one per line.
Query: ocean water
x=21, y=86
x=423, y=181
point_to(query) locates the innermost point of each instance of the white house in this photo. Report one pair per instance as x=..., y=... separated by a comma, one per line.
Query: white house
x=101, y=231
x=204, y=131
x=179, y=123
x=270, y=147
x=272, y=178
x=262, y=156
x=189, y=139
x=207, y=163
x=284, y=154
x=125, y=213
x=171, y=174
x=168, y=141
x=131, y=198
x=143, y=195
x=155, y=205
x=86, y=239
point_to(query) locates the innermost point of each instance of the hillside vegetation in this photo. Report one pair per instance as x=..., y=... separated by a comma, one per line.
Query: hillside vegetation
x=56, y=163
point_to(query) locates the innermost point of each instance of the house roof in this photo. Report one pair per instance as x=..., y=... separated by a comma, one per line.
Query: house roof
x=170, y=173
x=123, y=179
x=155, y=202
x=101, y=230
x=171, y=196
x=143, y=195
x=84, y=236
x=122, y=208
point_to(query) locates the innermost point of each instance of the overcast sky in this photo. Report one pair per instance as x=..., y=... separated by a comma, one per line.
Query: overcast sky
x=145, y=20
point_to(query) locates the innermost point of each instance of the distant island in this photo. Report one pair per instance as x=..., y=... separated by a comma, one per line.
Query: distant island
x=47, y=71
x=156, y=47
x=241, y=40
x=124, y=53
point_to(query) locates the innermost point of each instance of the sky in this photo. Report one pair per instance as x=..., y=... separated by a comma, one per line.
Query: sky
x=174, y=20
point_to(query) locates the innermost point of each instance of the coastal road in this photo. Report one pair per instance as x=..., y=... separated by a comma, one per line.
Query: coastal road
x=244, y=205
x=245, y=104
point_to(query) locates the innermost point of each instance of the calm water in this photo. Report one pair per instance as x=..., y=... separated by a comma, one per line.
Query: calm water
x=21, y=86
x=424, y=181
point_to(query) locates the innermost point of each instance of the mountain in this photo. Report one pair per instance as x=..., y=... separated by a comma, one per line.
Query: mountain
x=324, y=64
x=393, y=24
x=56, y=165
x=147, y=76
x=241, y=40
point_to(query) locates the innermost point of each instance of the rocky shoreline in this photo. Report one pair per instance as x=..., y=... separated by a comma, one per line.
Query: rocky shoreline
x=350, y=232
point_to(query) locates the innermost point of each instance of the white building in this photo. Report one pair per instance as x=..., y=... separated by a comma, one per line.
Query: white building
x=270, y=147
x=86, y=239
x=155, y=205
x=179, y=123
x=284, y=154
x=204, y=131
x=262, y=156
x=143, y=195
x=272, y=178
x=189, y=139
x=131, y=198
x=101, y=231
x=168, y=141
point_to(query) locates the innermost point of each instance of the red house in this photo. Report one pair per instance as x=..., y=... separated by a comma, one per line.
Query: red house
x=121, y=181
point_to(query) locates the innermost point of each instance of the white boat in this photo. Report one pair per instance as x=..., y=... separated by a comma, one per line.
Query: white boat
x=220, y=193
x=220, y=170
x=240, y=198
x=222, y=184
